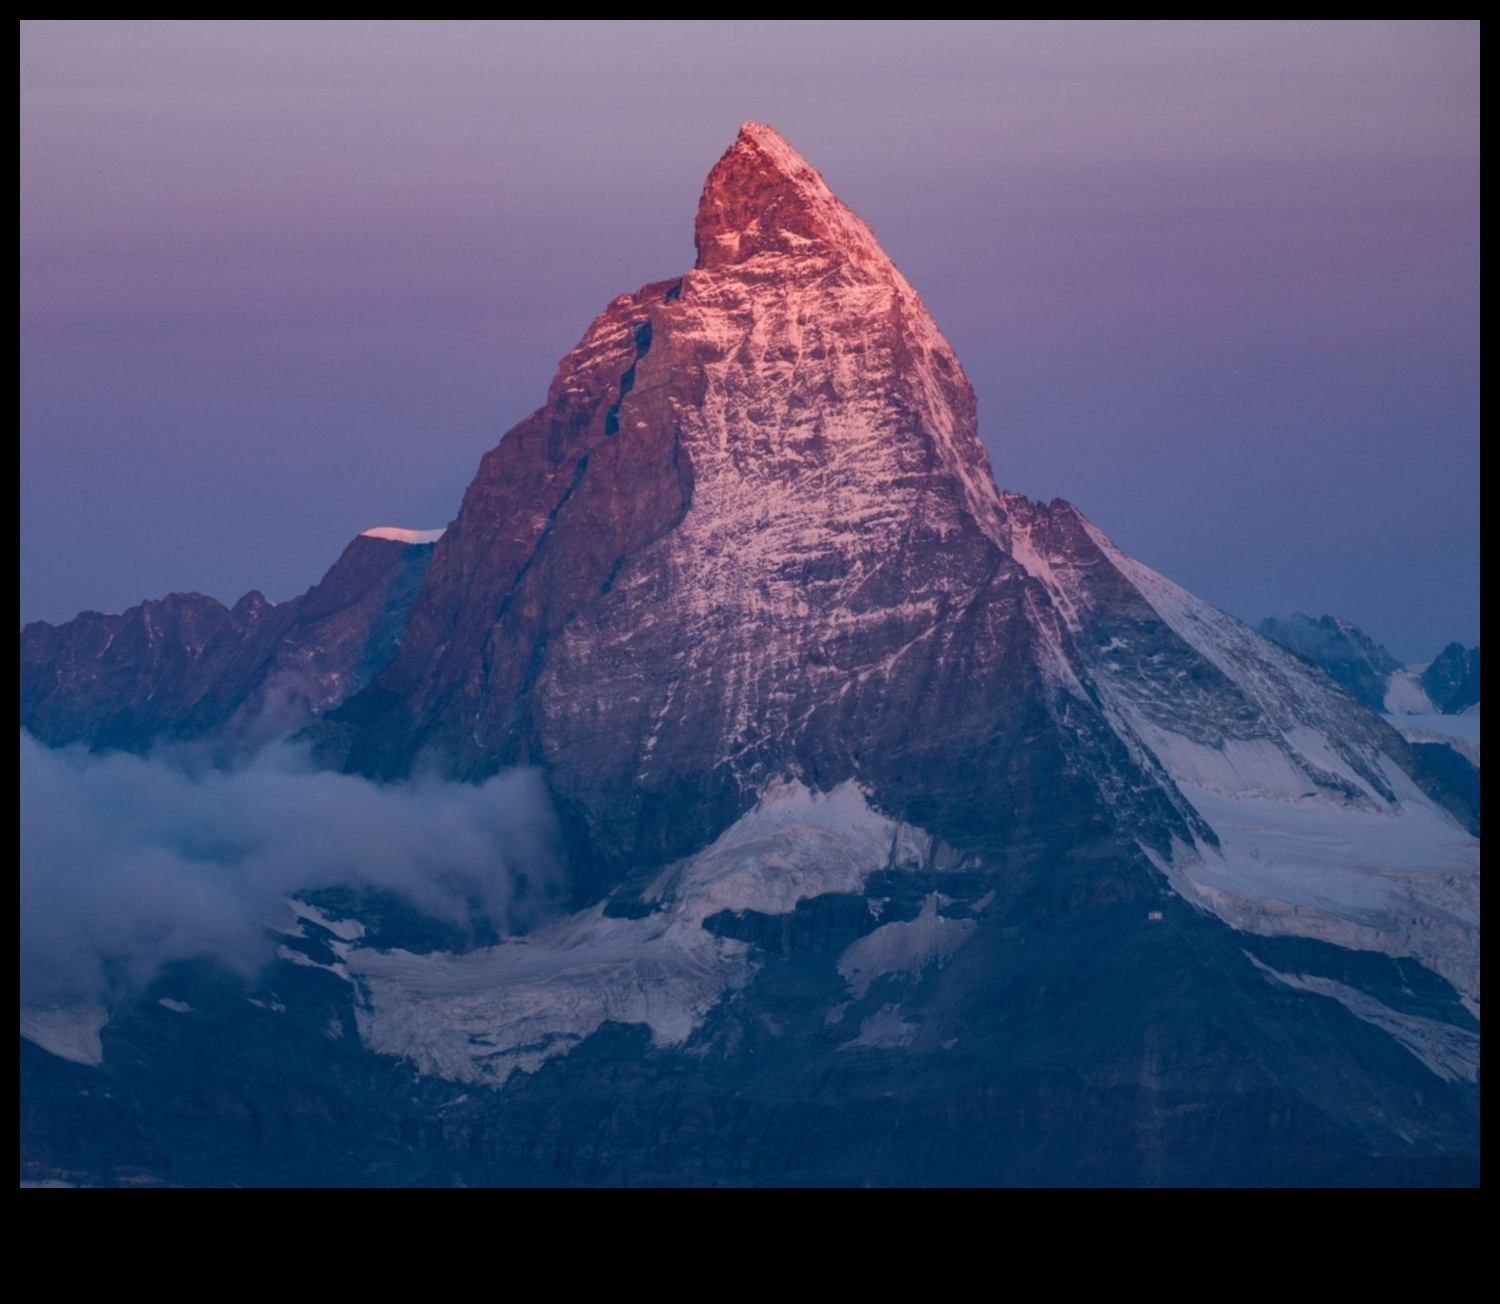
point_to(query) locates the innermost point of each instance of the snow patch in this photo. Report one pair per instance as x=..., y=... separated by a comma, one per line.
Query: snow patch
x=1404, y=694
x=69, y=1030
x=886, y=1029
x=796, y=844
x=905, y=947
x=399, y=535
x=347, y=930
x=1451, y=1053
x=338, y=968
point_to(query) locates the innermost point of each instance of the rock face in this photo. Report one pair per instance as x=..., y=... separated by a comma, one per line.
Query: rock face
x=917, y=834
x=752, y=532
x=185, y=666
x=753, y=535
x=1452, y=680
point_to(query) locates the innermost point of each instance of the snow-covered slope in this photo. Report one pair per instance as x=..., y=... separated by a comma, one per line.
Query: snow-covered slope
x=1404, y=694
x=1460, y=732
x=481, y=1016
x=1316, y=829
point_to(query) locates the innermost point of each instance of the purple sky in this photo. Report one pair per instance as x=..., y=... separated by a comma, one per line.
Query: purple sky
x=1216, y=284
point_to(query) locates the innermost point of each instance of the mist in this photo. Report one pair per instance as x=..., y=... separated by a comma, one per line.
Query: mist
x=130, y=863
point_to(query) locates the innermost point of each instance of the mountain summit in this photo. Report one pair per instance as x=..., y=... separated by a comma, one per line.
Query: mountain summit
x=763, y=198
x=878, y=783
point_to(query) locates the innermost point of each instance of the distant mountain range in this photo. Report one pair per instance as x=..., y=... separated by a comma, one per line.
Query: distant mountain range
x=1448, y=685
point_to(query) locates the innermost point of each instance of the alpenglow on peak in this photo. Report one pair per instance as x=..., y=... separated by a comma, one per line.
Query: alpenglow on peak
x=763, y=197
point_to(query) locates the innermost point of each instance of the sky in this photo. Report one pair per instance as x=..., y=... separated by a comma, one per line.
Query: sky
x=1216, y=284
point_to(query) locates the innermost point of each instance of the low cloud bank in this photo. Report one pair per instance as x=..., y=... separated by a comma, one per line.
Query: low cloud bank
x=130, y=863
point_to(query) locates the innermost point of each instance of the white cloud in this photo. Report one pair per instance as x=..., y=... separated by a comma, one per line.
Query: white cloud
x=129, y=863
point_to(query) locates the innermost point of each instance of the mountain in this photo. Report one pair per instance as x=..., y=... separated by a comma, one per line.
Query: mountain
x=186, y=666
x=1451, y=681
x=1350, y=656
x=915, y=834
x=1418, y=701
x=1448, y=685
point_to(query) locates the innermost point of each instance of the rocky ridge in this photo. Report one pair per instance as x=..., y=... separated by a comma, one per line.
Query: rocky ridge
x=187, y=667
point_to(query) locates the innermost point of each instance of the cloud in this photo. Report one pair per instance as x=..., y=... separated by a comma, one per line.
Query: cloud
x=129, y=863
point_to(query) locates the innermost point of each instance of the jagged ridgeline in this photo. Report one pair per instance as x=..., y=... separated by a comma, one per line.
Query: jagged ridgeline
x=914, y=833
